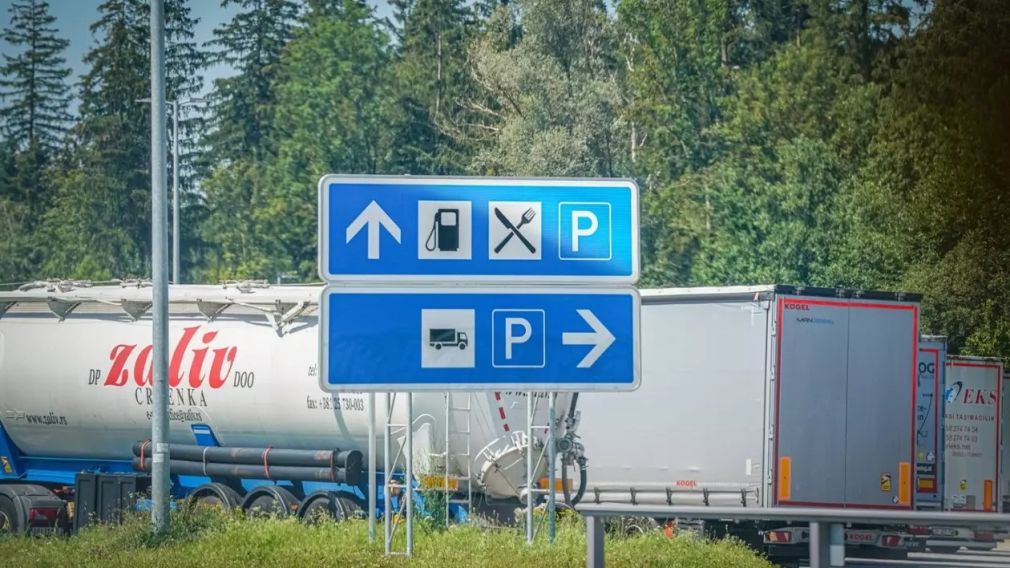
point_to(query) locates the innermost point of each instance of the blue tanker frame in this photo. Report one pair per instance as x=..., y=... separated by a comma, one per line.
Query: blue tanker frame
x=16, y=466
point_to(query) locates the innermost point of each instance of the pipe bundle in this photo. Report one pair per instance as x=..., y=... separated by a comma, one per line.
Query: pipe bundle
x=256, y=463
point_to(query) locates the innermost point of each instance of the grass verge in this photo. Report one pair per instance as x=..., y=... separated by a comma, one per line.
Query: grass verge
x=205, y=538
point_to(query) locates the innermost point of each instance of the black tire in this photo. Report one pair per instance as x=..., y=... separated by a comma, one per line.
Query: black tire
x=12, y=520
x=462, y=346
x=438, y=346
x=352, y=506
x=215, y=495
x=270, y=500
x=323, y=505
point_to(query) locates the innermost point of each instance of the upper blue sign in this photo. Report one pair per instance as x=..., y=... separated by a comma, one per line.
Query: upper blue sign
x=427, y=338
x=398, y=229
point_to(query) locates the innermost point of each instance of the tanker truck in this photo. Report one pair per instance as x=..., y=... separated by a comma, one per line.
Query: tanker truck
x=250, y=426
x=765, y=396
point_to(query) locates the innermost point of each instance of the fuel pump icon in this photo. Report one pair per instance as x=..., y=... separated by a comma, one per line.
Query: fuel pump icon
x=444, y=235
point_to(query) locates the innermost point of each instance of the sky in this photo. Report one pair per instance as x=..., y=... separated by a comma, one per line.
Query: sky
x=74, y=18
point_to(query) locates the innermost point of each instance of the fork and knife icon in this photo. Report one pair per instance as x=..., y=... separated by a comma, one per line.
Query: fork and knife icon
x=514, y=231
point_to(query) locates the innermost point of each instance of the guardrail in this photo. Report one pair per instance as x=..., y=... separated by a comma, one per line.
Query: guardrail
x=827, y=526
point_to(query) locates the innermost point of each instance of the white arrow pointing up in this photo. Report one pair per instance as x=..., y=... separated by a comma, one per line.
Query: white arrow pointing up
x=374, y=217
x=600, y=338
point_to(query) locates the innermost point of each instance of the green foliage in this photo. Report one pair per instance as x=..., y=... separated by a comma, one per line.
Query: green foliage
x=550, y=103
x=212, y=539
x=251, y=43
x=859, y=143
x=429, y=77
x=34, y=120
x=33, y=81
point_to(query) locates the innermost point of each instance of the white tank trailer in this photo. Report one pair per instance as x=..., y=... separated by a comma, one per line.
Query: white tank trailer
x=76, y=396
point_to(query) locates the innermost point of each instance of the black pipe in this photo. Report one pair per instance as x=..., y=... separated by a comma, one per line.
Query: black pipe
x=583, y=479
x=271, y=457
x=241, y=471
x=565, y=491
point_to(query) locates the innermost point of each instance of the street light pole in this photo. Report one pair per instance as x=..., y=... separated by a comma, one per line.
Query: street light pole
x=175, y=192
x=160, y=482
x=176, y=234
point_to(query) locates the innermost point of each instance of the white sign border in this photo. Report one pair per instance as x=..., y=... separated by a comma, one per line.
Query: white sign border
x=322, y=246
x=324, y=335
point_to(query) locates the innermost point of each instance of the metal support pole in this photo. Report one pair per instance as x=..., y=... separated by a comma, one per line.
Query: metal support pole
x=551, y=458
x=530, y=482
x=409, y=483
x=387, y=471
x=372, y=480
x=175, y=192
x=594, y=541
x=837, y=546
x=819, y=545
x=161, y=480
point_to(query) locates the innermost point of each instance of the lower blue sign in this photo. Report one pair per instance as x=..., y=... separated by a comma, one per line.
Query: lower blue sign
x=390, y=339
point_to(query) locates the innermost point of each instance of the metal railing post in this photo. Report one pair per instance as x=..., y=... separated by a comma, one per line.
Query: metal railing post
x=818, y=545
x=837, y=552
x=594, y=541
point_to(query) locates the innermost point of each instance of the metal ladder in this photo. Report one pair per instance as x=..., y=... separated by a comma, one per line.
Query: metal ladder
x=534, y=458
x=461, y=437
x=405, y=489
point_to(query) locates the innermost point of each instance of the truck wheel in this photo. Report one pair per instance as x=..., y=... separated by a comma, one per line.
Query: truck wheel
x=323, y=505
x=31, y=508
x=438, y=346
x=216, y=496
x=11, y=519
x=462, y=346
x=270, y=500
x=352, y=506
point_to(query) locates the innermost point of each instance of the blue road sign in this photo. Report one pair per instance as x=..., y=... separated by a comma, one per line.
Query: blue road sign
x=474, y=338
x=409, y=229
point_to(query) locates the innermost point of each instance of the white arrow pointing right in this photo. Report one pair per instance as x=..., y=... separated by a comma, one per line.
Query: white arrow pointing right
x=600, y=338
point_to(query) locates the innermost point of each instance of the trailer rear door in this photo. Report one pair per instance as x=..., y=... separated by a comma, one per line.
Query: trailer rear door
x=972, y=427
x=845, y=391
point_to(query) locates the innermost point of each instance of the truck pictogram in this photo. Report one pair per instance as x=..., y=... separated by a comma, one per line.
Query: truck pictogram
x=438, y=338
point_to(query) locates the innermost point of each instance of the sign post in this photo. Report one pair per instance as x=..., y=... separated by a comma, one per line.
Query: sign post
x=484, y=284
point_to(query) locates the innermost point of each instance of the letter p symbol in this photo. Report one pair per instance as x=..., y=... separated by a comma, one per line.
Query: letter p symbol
x=585, y=231
x=584, y=224
x=511, y=324
x=518, y=338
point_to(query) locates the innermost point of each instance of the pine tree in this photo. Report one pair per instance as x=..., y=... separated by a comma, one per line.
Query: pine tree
x=331, y=88
x=34, y=81
x=431, y=80
x=99, y=226
x=34, y=116
x=251, y=43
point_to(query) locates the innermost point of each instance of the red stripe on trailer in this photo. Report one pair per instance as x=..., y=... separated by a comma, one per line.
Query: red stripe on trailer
x=911, y=410
x=836, y=505
x=778, y=390
x=937, y=395
x=501, y=412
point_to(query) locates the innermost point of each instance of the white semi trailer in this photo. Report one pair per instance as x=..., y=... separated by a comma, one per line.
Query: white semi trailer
x=76, y=403
x=769, y=396
x=974, y=413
